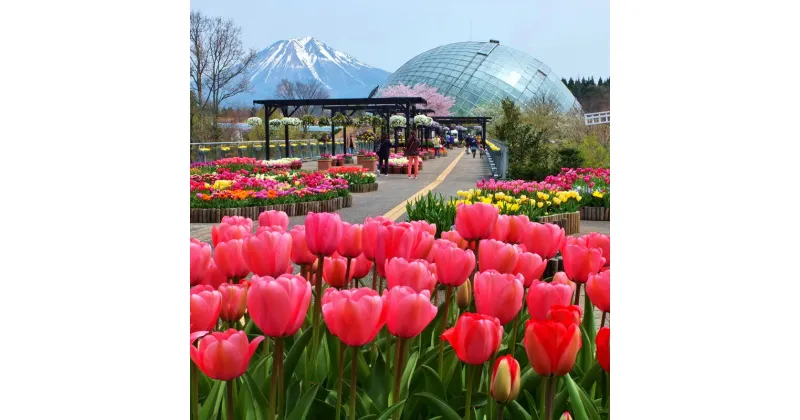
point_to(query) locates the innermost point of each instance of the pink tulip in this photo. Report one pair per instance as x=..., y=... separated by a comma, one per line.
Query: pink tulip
x=333, y=271
x=597, y=240
x=454, y=265
x=369, y=235
x=516, y=228
x=234, y=301
x=424, y=225
x=496, y=255
x=530, y=266
x=422, y=244
x=214, y=276
x=498, y=295
x=360, y=267
x=205, y=304
x=438, y=244
x=300, y=254
x=561, y=278
x=199, y=257
x=354, y=315
x=350, y=244
x=278, y=306
x=323, y=233
x=225, y=232
x=476, y=221
x=408, y=311
x=543, y=239
x=455, y=238
x=267, y=254
x=274, y=218
x=238, y=221
x=580, y=262
x=599, y=290
x=413, y=274
x=269, y=229
x=393, y=241
x=501, y=228
x=542, y=296
x=224, y=356
x=229, y=258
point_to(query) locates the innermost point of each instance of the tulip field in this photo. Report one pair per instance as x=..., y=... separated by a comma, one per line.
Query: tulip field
x=382, y=320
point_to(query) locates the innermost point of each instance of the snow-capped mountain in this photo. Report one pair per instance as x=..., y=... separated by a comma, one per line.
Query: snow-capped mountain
x=307, y=59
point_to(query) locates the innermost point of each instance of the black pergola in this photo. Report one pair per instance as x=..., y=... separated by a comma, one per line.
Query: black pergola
x=466, y=120
x=384, y=111
x=404, y=105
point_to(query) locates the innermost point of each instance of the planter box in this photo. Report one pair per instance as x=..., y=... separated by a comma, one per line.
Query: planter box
x=602, y=214
x=291, y=209
x=572, y=221
x=363, y=188
x=296, y=166
x=424, y=157
x=348, y=159
x=323, y=164
x=368, y=164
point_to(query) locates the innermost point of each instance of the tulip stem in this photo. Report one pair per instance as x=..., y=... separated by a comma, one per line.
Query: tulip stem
x=550, y=387
x=279, y=352
x=375, y=277
x=468, y=402
x=577, y=294
x=353, y=388
x=317, y=310
x=603, y=320
x=513, y=344
x=347, y=274
x=273, y=381
x=339, y=382
x=195, y=394
x=229, y=398
x=489, y=382
x=447, y=294
x=499, y=415
x=398, y=373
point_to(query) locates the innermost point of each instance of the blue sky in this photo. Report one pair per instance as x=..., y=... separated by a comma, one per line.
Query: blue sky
x=572, y=37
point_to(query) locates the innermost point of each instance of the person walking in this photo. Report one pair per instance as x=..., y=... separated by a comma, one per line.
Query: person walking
x=383, y=154
x=412, y=153
x=437, y=143
x=351, y=146
x=473, y=145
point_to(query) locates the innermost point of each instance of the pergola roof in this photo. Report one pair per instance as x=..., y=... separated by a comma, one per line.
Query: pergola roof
x=462, y=119
x=280, y=103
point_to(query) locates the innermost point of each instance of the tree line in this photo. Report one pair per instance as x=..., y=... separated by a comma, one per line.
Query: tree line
x=593, y=96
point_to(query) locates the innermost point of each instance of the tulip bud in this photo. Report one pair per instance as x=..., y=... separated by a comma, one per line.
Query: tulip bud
x=565, y=416
x=505, y=379
x=464, y=295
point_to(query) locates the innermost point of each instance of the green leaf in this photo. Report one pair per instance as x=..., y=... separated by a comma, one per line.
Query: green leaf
x=517, y=412
x=294, y=354
x=212, y=404
x=441, y=406
x=388, y=413
x=585, y=354
x=260, y=402
x=411, y=364
x=575, y=398
x=588, y=404
x=433, y=382
x=532, y=405
x=304, y=404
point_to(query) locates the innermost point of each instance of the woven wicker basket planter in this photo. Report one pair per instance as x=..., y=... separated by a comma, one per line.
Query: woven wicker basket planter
x=291, y=209
x=364, y=188
x=571, y=221
x=602, y=214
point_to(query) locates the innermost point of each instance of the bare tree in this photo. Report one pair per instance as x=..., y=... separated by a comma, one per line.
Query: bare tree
x=313, y=89
x=228, y=63
x=285, y=90
x=198, y=33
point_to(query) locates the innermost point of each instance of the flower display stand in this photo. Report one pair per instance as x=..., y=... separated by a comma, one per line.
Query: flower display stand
x=324, y=164
x=572, y=221
x=291, y=209
x=602, y=214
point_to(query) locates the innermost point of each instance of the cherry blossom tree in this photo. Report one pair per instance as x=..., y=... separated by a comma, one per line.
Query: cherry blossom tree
x=436, y=101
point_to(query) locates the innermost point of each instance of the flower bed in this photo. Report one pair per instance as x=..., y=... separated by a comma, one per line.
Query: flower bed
x=593, y=183
x=359, y=179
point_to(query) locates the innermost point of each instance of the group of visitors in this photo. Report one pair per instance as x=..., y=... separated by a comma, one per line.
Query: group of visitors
x=473, y=143
x=383, y=150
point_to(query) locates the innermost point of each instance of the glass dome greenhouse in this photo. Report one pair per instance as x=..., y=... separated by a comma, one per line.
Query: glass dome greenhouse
x=479, y=73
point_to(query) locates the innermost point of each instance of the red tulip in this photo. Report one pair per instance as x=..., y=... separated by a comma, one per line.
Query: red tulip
x=516, y=229
x=501, y=228
x=561, y=278
x=214, y=276
x=505, y=379
x=354, y=315
x=475, y=337
x=580, y=262
x=199, y=257
x=567, y=314
x=454, y=265
x=424, y=225
x=274, y=218
x=350, y=244
x=333, y=271
x=552, y=346
x=225, y=232
x=267, y=254
x=360, y=267
x=409, y=311
x=323, y=233
x=229, y=258
x=476, y=221
x=369, y=235
x=603, y=352
x=530, y=266
x=498, y=295
x=238, y=221
x=300, y=254
x=234, y=301
x=599, y=290
x=422, y=244
x=278, y=306
x=438, y=244
x=413, y=274
x=542, y=296
x=224, y=355
x=496, y=255
x=455, y=238
x=204, y=307
x=393, y=241
x=598, y=240
x=543, y=239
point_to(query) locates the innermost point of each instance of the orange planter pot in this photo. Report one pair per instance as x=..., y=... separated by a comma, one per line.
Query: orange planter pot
x=324, y=164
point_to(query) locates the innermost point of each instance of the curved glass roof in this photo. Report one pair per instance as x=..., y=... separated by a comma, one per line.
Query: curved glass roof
x=476, y=73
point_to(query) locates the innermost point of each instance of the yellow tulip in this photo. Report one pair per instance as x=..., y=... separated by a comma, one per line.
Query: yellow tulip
x=539, y=204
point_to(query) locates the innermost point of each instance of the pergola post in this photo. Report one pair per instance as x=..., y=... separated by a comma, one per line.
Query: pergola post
x=267, y=112
x=286, y=133
x=483, y=132
x=408, y=122
x=333, y=136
